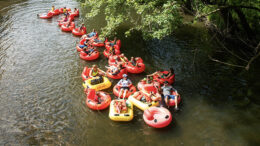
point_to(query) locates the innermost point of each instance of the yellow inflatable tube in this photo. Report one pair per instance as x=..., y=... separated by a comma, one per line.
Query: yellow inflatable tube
x=123, y=115
x=142, y=105
x=104, y=85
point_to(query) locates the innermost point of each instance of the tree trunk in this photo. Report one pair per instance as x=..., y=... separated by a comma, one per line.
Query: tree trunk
x=228, y=20
x=244, y=23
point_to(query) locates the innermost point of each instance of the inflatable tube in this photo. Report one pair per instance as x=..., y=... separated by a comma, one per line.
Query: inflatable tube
x=68, y=29
x=55, y=12
x=97, y=101
x=78, y=32
x=80, y=43
x=157, y=117
x=172, y=101
x=116, y=46
x=107, y=54
x=61, y=10
x=171, y=79
x=135, y=69
x=118, y=76
x=143, y=86
x=98, y=44
x=46, y=15
x=141, y=104
x=112, y=61
x=85, y=73
x=126, y=114
x=90, y=57
x=104, y=85
x=75, y=14
x=131, y=90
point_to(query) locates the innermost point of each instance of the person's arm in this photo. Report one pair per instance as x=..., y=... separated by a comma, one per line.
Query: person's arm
x=90, y=73
x=129, y=82
x=120, y=82
x=101, y=71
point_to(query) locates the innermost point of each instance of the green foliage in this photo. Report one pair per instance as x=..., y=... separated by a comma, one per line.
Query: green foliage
x=154, y=18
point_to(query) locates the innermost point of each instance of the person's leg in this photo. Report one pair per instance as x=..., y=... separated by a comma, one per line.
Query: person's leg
x=125, y=91
x=120, y=92
x=166, y=99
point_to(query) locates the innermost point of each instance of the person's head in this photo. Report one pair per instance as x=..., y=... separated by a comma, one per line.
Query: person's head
x=93, y=30
x=122, y=55
x=82, y=24
x=132, y=58
x=52, y=6
x=64, y=8
x=124, y=76
x=75, y=8
x=94, y=66
x=114, y=38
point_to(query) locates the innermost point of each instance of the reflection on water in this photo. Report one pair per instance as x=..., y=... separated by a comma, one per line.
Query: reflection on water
x=42, y=99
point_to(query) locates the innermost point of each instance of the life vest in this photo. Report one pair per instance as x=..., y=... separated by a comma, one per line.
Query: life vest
x=94, y=73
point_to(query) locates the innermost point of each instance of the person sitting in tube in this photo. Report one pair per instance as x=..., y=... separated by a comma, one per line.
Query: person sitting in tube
x=166, y=90
x=89, y=51
x=123, y=58
x=85, y=44
x=95, y=71
x=120, y=106
x=162, y=75
x=92, y=34
x=52, y=8
x=65, y=11
x=124, y=84
x=96, y=40
x=117, y=60
x=115, y=69
x=82, y=27
x=75, y=10
x=68, y=24
x=114, y=42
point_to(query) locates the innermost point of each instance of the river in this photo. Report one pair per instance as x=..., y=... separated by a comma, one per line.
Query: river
x=42, y=99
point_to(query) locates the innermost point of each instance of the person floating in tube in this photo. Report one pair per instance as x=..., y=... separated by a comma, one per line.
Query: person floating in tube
x=166, y=90
x=124, y=84
x=95, y=71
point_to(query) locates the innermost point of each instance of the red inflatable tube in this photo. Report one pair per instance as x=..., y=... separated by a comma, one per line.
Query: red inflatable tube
x=85, y=73
x=131, y=91
x=78, y=32
x=106, y=53
x=157, y=117
x=112, y=61
x=75, y=14
x=55, y=12
x=116, y=46
x=79, y=49
x=143, y=86
x=92, y=56
x=61, y=10
x=97, y=101
x=135, y=69
x=171, y=79
x=46, y=16
x=118, y=76
x=98, y=44
x=68, y=29
x=172, y=101
x=80, y=43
